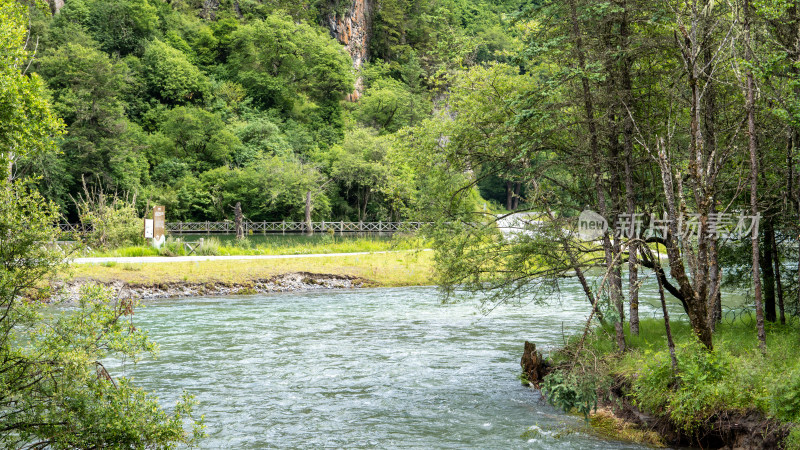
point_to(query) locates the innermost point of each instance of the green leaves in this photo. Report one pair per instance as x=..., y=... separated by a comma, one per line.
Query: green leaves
x=170, y=76
x=122, y=26
x=27, y=123
x=569, y=392
x=280, y=62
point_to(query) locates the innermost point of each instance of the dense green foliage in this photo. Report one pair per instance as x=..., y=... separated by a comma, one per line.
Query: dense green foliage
x=733, y=378
x=199, y=105
x=55, y=391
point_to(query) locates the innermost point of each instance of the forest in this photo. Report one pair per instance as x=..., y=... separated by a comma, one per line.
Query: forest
x=198, y=105
x=674, y=123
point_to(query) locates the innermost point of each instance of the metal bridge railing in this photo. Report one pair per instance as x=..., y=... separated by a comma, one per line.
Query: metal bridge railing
x=228, y=227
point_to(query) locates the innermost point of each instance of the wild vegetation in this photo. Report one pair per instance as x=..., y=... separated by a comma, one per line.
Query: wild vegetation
x=677, y=123
x=673, y=122
x=199, y=105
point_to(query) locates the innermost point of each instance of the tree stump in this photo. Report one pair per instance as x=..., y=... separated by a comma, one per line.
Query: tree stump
x=534, y=367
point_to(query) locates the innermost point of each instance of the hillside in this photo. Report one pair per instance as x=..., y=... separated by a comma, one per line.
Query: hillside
x=199, y=105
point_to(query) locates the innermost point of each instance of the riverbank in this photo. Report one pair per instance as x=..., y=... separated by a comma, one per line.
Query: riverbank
x=249, y=276
x=731, y=397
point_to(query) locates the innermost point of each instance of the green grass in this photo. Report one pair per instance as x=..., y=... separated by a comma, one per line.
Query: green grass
x=734, y=377
x=402, y=268
x=270, y=245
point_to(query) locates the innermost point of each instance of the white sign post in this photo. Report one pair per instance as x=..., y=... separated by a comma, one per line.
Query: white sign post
x=148, y=228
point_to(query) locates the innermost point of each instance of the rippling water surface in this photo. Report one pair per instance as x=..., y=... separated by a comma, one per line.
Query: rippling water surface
x=360, y=368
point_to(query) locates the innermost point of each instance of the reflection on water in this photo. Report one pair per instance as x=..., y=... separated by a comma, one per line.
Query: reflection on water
x=361, y=368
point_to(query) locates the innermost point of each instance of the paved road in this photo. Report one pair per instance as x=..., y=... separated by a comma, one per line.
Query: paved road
x=168, y=259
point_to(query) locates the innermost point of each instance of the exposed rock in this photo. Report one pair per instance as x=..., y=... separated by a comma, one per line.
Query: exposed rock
x=55, y=5
x=292, y=282
x=353, y=30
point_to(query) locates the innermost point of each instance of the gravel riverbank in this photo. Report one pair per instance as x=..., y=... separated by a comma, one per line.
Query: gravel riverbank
x=290, y=282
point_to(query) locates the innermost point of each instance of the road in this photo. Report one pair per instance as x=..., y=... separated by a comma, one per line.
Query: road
x=168, y=259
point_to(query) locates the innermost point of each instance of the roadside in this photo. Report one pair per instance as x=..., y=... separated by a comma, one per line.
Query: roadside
x=196, y=258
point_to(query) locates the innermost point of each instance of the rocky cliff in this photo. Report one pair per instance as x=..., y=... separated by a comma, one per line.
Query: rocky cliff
x=353, y=31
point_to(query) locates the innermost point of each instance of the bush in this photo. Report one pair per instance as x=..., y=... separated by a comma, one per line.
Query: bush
x=210, y=247
x=566, y=391
x=53, y=389
x=172, y=247
x=113, y=219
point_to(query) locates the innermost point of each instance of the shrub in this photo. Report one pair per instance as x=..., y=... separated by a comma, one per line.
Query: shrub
x=210, y=247
x=113, y=219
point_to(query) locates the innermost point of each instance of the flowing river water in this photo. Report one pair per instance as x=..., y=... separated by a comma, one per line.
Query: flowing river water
x=382, y=368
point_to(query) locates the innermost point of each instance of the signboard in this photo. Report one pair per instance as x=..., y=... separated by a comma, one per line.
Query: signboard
x=158, y=226
x=148, y=228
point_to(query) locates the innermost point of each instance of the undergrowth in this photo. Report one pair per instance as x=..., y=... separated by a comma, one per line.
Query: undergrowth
x=734, y=377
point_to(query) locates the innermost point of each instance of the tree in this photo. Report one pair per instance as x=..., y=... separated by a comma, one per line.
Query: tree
x=27, y=124
x=280, y=62
x=170, y=77
x=101, y=144
x=361, y=167
x=122, y=26
x=195, y=135
x=54, y=390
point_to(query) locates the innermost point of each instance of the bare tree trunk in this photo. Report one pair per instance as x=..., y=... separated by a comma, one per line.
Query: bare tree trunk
x=517, y=191
x=509, y=196
x=751, y=135
x=615, y=293
x=10, y=167
x=237, y=213
x=630, y=197
x=715, y=273
x=695, y=306
x=309, y=225
x=768, y=275
x=778, y=284
x=665, y=312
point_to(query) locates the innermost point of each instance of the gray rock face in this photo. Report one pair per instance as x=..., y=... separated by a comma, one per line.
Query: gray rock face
x=353, y=30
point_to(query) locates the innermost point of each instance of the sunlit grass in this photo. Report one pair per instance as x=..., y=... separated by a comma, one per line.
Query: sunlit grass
x=402, y=268
x=320, y=243
x=734, y=377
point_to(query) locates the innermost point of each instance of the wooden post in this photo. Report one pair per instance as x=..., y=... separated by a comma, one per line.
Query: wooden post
x=341, y=228
x=237, y=212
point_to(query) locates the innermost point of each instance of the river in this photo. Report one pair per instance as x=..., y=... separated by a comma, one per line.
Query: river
x=361, y=368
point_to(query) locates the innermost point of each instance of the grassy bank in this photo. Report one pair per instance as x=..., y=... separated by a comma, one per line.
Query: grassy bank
x=732, y=383
x=268, y=245
x=403, y=268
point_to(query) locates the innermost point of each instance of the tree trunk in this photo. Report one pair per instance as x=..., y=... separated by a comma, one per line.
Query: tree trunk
x=309, y=225
x=10, y=176
x=509, y=196
x=778, y=284
x=695, y=305
x=630, y=196
x=237, y=213
x=751, y=135
x=768, y=276
x=615, y=293
x=517, y=191
x=665, y=312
